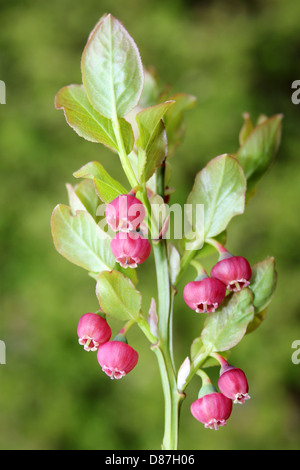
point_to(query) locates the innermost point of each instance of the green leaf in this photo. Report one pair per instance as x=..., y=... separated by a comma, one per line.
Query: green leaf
x=259, y=149
x=173, y=119
x=208, y=250
x=150, y=93
x=83, y=197
x=127, y=272
x=197, y=345
x=107, y=187
x=257, y=320
x=152, y=141
x=148, y=120
x=220, y=187
x=112, y=70
x=263, y=285
x=117, y=296
x=79, y=239
x=87, y=122
x=85, y=191
x=225, y=328
x=246, y=129
x=74, y=200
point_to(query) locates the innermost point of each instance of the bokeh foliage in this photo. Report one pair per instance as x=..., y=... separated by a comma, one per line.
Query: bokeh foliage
x=234, y=56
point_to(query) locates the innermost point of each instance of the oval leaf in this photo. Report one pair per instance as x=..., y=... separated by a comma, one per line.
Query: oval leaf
x=225, y=328
x=87, y=122
x=152, y=141
x=85, y=191
x=196, y=347
x=79, y=239
x=174, y=121
x=107, y=187
x=117, y=296
x=220, y=187
x=263, y=283
x=112, y=70
x=259, y=149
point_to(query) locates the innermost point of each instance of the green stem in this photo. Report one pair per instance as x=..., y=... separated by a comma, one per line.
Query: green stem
x=164, y=350
x=144, y=326
x=172, y=397
x=164, y=346
x=198, y=360
x=123, y=154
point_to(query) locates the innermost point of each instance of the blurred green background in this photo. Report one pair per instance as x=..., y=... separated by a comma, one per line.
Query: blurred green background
x=234, y=56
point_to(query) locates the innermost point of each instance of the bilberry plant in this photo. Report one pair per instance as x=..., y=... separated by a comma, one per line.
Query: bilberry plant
x=110, y=230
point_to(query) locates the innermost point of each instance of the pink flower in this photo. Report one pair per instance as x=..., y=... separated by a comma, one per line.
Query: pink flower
x=125, y=213
x=212, y=410
x=117, y=358
x=130, y=249
x=205, y=295
x=92, y=331
x=235, y=272
x=233, y=384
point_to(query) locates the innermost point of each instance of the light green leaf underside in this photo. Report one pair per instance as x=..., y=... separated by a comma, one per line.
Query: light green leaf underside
x=112, y=70
x=152, y=140
x=258, y=150
x=79, y=239
x=117, y=296
x=220, y=187
x=87, y=122
x=107, y=187
x=225, y=328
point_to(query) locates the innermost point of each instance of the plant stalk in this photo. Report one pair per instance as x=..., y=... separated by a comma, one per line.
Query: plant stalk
x=164, y=349
x=123, y=154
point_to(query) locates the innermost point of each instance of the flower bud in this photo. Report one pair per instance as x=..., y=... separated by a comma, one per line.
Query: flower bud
x=117, y=358
x=204, y=295
x=183, y=373
x=92, y=331
x=212, y=410
x=130, y=249
x=125, y=213
x=234, y=271
x=233, y=384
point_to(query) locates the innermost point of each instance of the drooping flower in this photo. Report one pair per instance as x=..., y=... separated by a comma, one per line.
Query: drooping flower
x=92, y=331
x=117, y=358
x=234, y=271
x=233, y=383
x=130, y=249
x=212, y=410
x=125, y=213
x=204, y=295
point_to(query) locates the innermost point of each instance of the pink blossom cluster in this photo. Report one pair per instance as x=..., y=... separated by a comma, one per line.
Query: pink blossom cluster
x=115, y=357
x=125, y=215
x=204, y=295
x=214, y=408
x=231, y=273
